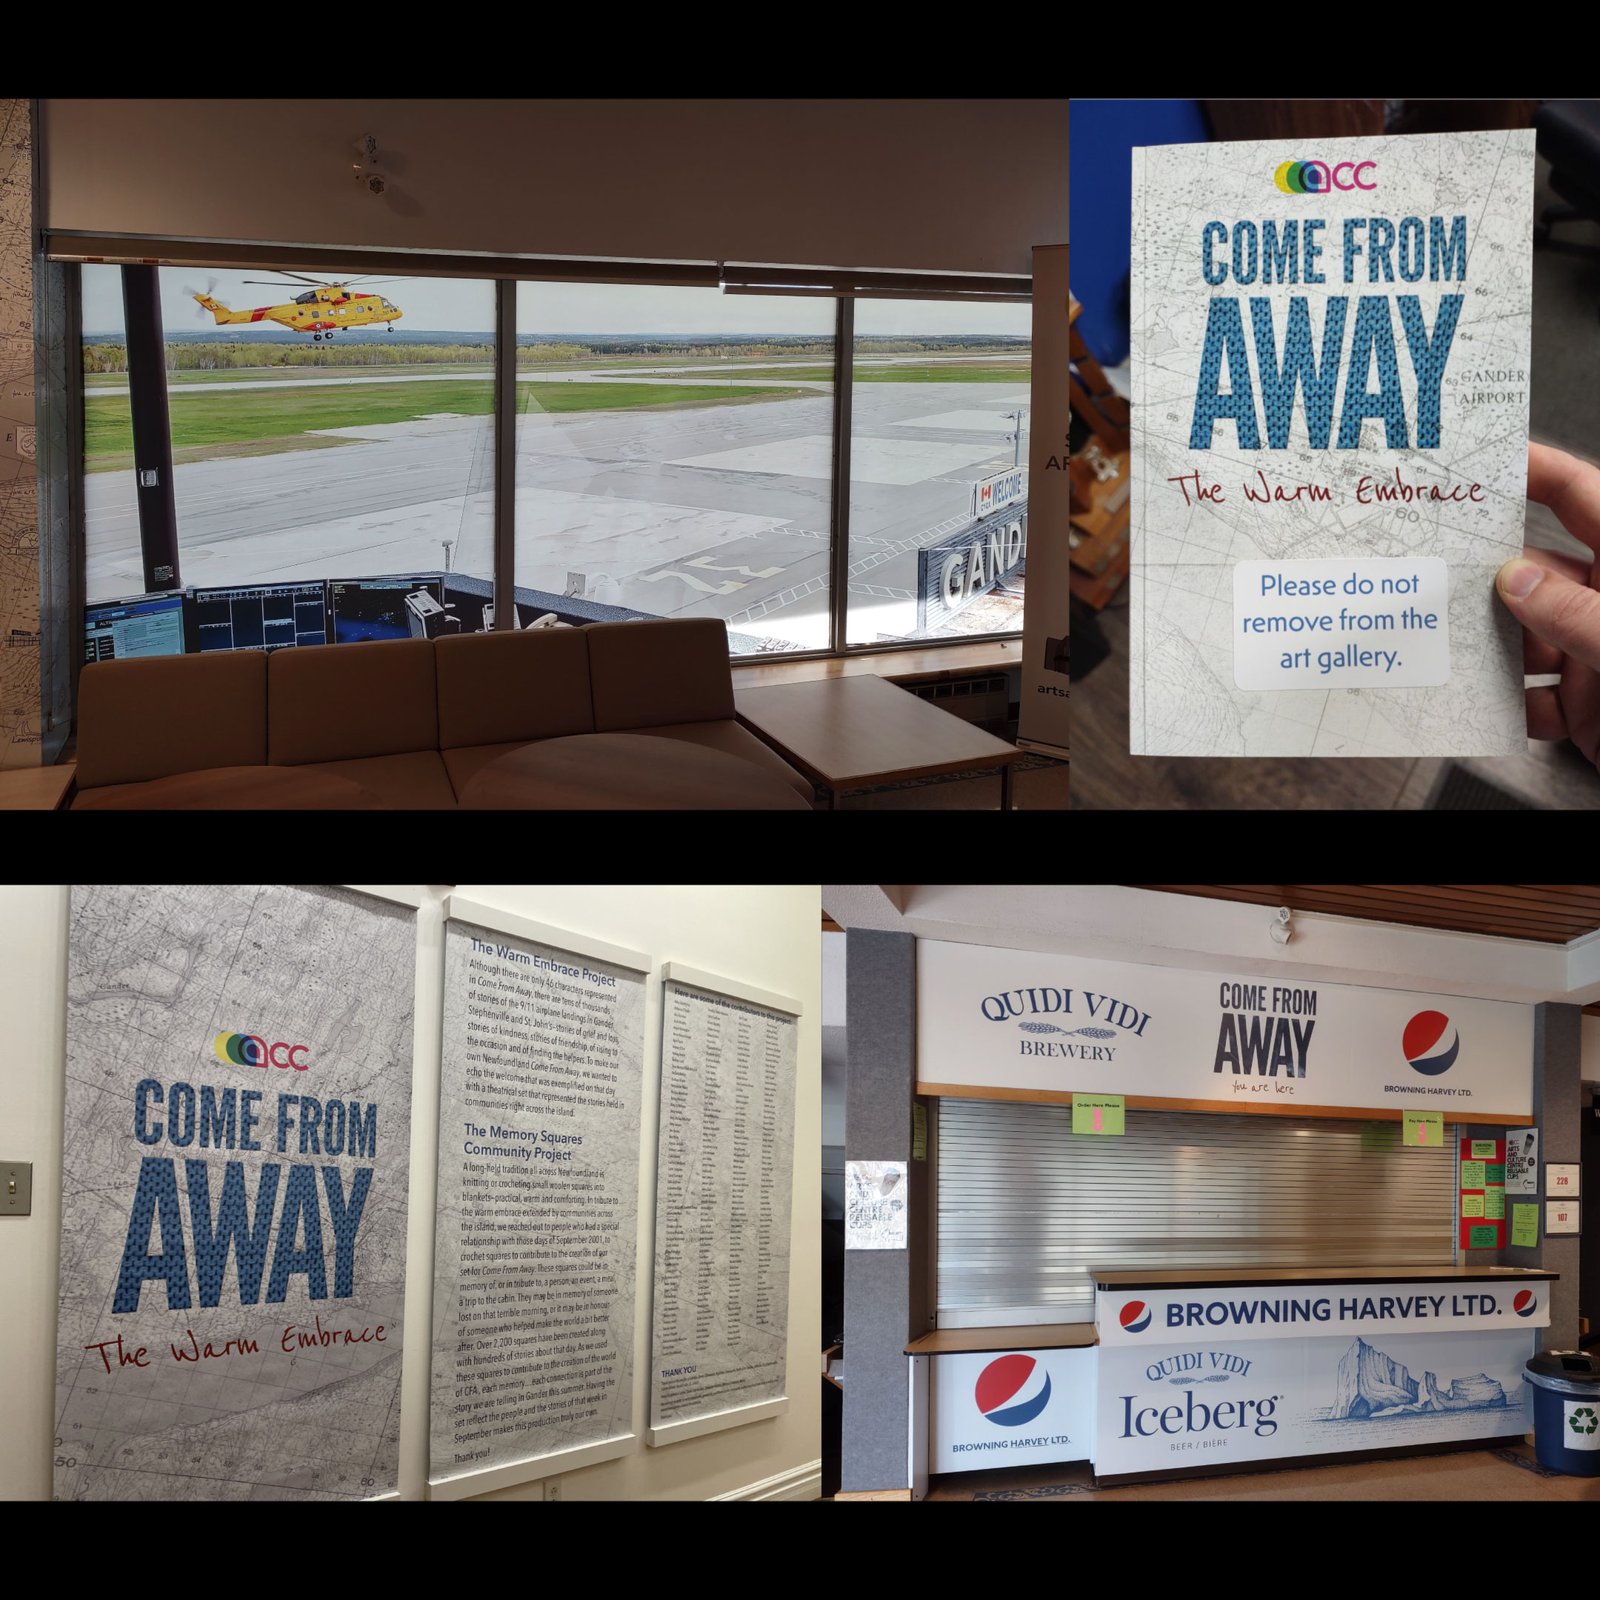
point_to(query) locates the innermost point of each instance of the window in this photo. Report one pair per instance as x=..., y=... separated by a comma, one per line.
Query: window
x=674, y=456
x=333, y=444
x=303, y=465
x=938, y=469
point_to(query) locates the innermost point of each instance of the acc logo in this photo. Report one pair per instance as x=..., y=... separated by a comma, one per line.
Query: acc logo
x=1134, y=1317
x=246, y=1050
x=1012, y=1390
x=1431, y=1043
x=1316, y=177
x=1525, y=1303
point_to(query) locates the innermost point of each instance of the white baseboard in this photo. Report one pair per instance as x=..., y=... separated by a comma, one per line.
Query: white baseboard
x=798, y=1483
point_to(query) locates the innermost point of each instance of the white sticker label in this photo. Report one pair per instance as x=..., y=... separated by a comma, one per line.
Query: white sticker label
x=1580, y=1424
x=1365, y=623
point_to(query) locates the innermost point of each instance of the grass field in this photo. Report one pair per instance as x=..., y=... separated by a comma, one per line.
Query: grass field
x=259, y=421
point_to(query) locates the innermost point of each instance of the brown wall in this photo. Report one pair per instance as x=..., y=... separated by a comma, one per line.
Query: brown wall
x=935, y=185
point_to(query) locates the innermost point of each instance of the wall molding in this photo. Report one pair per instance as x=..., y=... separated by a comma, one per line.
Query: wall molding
x=798, y=1483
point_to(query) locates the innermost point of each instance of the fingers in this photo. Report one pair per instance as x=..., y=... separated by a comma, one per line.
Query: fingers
x=1546, y=720
x=1562, y=613
x=1571, y=489
x=1537, y=656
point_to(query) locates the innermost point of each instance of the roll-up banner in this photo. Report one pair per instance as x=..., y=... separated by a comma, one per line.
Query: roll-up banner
x=1042, y=720
x=1029, y=1020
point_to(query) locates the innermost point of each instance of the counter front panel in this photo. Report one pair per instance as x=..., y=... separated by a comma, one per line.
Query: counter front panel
x=1198, y=1376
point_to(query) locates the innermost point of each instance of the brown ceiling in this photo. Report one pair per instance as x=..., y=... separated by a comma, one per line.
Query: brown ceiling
x=1546, y=913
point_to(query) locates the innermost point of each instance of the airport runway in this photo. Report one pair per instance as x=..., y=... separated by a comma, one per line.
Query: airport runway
x=717, y=511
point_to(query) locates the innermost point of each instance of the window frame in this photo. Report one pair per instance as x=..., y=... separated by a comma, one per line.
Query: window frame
x=507, y=273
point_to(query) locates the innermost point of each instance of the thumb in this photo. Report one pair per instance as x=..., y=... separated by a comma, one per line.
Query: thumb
x=1559, y=611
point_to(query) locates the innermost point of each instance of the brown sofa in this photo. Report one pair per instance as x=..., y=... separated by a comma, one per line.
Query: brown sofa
x=405, y=724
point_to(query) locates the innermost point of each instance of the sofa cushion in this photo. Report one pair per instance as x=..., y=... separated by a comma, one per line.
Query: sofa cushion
x=737, y=740
x=415, y=781
x=501, y=687
x=152, y=717
x=338, y=702
x=466, y=763
x=646, y=674
x=253, y=788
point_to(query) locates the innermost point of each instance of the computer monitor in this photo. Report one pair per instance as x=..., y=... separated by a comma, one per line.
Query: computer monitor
x=263, y=616
x=146, y=625
x=388, y=608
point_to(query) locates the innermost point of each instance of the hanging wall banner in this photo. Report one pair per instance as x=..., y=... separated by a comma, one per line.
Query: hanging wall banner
x=539, y=1110
x=1018, y=1019
x=720, y=1339
x=233, y=1228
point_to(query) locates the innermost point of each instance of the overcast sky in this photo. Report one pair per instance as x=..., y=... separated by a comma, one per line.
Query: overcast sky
x=451, y=305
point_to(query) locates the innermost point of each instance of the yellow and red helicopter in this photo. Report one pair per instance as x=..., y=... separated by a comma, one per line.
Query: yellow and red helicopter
x=321, y=311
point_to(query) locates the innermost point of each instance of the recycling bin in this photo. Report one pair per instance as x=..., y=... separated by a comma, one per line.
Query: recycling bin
x=1566, y=1411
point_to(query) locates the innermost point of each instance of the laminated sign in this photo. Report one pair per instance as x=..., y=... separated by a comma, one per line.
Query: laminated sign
x=1330, y=428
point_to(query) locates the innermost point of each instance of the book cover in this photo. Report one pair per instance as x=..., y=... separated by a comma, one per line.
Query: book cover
x=1330, y=427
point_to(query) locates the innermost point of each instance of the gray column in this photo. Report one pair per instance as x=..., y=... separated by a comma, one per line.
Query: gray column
x=1557, y=1113
x=880, y=1043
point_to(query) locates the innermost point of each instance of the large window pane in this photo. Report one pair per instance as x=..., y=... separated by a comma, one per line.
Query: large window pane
x=674, y=457
x=938, y=469
x=336, y=441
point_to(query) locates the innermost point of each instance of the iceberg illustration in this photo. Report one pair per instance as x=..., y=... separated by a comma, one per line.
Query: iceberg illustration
x=1371, y=1384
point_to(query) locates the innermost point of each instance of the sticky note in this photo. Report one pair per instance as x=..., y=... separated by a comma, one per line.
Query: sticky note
x=1494, y=1202
x=1525, y=1225
x=1424, y=1128
x=1494, y=1172
x=1482, y=1236
x=1472, y=1205
x=1097, y=1113
x=1483, y=1148
x=1472, y=1175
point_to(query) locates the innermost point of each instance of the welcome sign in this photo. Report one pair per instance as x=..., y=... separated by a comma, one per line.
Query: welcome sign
x=1016, y=1019
x=1330, y=419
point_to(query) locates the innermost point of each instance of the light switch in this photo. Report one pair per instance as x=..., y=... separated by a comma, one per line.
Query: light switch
x=16, y=1188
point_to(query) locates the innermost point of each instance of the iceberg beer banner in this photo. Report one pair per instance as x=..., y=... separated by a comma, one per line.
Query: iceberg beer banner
x=1025, y=1019
x=238, y=1124
x=1330, y=427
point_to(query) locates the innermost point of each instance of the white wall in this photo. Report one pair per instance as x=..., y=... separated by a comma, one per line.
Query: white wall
x=765, y=936
x=952, y=185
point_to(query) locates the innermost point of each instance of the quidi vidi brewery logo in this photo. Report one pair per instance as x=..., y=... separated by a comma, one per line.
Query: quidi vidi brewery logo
x=250, y=1050
x=1525, y=1303
x=1012, y=1390
x=1431, y=1043
x=1317, y=177
x=1108, y=1018
x=1134, y=1317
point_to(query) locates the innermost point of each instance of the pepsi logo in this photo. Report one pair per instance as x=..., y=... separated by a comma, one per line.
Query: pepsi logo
x=1012, y=1390
x=1431, y=1043
x=1525, y=1303
x=1134, y=1317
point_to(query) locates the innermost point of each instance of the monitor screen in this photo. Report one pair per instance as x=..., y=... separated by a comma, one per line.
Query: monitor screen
x=147, y=625
x=260, y=617
x=389, y=608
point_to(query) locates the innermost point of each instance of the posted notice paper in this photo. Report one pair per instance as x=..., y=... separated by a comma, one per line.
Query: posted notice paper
x=1330, y=431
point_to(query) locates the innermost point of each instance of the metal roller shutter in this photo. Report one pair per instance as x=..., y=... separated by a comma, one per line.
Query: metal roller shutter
x=1026, y=1208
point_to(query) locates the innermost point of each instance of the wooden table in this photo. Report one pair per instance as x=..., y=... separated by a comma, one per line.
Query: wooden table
x=626, y=772
x=846, y=733
x=36, y=788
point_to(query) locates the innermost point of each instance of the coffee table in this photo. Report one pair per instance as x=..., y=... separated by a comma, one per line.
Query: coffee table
x=848, y=733
x=625, y=772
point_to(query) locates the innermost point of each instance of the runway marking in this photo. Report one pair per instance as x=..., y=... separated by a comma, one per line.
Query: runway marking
x=708, y=565
x=730, y=587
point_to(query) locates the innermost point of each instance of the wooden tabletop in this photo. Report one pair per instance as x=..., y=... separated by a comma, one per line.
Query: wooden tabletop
x=851, y=731
x=977, y=1341
x=35, y=788
x=1240, y=1277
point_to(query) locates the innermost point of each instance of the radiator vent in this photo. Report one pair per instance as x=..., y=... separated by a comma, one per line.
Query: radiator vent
x=972, y=699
